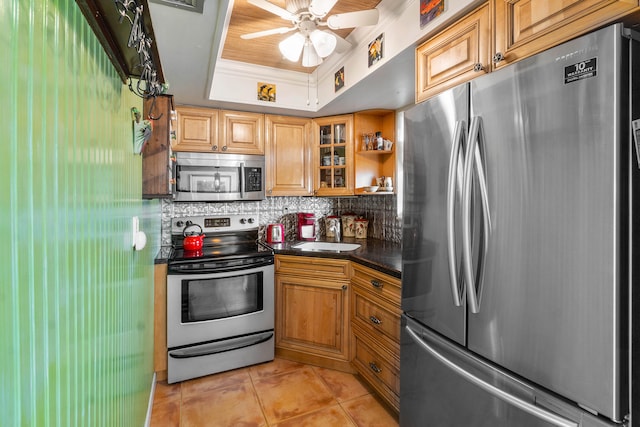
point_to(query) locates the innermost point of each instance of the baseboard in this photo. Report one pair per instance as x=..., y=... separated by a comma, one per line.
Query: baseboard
x=147, y=422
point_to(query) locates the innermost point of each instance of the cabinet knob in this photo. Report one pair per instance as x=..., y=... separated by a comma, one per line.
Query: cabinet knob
x=224, y=148
x=499, y=56
x=375, y=320
x=376, y=284
x=477, y=67
x=374, y=367
x=344, y=287
x=214, y=148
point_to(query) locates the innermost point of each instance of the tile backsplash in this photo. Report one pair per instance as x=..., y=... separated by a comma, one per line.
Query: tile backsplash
x=381, y=211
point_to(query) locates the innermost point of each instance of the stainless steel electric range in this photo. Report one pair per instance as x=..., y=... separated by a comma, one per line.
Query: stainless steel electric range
x=220, y=299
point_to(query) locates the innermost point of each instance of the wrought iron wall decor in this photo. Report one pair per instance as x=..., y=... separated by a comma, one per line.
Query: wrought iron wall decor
x=139, y=40
x=129, y=45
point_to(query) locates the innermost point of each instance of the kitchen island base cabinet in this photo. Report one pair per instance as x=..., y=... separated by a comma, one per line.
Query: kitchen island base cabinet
x=312, y=311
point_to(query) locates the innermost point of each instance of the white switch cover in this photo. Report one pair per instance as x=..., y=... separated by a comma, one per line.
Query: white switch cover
x=138, y=237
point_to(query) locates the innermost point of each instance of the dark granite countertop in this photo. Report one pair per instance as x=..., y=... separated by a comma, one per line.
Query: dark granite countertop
x=380, y=255
x=163, y=255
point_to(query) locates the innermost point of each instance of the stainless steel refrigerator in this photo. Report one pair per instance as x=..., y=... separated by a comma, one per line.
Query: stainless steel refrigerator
x=520, y=244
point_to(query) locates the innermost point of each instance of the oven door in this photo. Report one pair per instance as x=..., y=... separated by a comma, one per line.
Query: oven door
x=203, y=308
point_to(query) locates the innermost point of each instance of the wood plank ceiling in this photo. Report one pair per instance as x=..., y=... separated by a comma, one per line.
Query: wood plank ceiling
x=246, y=18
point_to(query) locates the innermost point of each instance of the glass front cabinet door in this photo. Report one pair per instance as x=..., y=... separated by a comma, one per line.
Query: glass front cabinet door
x=333, y=156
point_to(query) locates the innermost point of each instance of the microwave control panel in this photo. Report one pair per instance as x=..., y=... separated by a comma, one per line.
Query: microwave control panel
x=253, y=179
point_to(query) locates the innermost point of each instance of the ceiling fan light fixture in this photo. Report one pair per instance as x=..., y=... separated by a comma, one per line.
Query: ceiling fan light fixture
x=320, y=8
x=291, y=47
x=323, y=42
x=310, y=57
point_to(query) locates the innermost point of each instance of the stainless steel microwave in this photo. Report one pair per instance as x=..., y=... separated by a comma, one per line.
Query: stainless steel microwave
x=212, y=177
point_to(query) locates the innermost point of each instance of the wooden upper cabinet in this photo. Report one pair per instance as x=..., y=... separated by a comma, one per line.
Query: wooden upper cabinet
x=156, y=163
x=526, y=27
x=369, y=164
x=288, y=156
x=197, y=129
x=241, y=133
x=333, y=156
x=457, y=54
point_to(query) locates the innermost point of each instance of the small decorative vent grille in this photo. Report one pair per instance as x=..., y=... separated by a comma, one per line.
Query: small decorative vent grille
x=192, y=5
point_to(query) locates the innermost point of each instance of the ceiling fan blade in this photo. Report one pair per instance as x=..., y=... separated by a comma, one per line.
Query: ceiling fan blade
x=281, y=30
x=270, y=7
x=342, y=45
x=353, y=19
x=320, y=8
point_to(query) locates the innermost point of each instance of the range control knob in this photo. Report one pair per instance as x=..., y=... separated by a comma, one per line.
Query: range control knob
x=179, y=224
x=251, y=220
x=243, y=221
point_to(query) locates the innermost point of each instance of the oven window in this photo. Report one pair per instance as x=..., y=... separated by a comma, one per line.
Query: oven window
x=219, y=298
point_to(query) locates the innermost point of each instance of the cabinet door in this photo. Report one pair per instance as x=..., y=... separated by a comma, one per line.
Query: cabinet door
x=288, y=156
x=156, y=164
x=197, y=129
x=160, y=321
x=241, y=133
x=333, y=156
x=526, y=27
x=312, y=316
x=459, y=53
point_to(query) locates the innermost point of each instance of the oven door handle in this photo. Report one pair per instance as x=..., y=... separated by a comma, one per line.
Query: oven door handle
x=221, y=346
x=187, y=267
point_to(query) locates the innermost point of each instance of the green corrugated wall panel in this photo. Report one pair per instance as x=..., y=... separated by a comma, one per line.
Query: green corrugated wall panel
x=75, y=301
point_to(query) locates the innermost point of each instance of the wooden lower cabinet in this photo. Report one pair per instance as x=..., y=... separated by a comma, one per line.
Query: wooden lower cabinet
x=160, y=321
x=312, y=311
x=375, y=330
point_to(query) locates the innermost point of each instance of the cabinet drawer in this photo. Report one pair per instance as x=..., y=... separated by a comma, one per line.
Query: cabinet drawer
x=380, y=319
x=315, y=267
x=379, y=368
x=379, y=283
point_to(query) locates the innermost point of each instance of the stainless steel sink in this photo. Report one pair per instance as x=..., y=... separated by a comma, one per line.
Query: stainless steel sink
x=327, y=246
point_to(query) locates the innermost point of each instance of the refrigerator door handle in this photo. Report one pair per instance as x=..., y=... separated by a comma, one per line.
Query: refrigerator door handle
x=530, y=408
x=457, y=285
x=473, y=157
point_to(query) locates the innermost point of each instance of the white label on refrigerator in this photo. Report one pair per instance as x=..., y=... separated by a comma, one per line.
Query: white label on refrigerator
x=581, y=70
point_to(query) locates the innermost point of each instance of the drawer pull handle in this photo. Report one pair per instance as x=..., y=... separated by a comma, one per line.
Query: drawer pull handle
x=375, y=320
x=374, y=367
x=376, y=284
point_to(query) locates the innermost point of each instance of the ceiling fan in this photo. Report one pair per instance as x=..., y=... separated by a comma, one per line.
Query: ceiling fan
x=306, y=17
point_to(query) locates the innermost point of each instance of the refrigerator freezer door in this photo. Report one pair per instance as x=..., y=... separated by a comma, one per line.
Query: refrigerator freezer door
x=551, y=304
x=427, y=285
x=443, y=385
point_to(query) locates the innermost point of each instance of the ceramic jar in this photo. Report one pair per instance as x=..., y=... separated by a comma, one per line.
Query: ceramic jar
x=348, y=225
x=361, y=226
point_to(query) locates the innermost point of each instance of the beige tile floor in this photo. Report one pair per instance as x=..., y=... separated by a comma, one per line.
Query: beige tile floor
x=275, y=394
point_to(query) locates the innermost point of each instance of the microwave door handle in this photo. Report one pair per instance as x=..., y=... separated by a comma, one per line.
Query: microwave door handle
x=503, y=395
x=242, y=180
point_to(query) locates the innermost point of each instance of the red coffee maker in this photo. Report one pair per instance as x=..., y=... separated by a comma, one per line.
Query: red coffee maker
x=306, y=226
